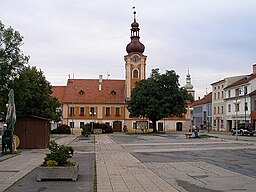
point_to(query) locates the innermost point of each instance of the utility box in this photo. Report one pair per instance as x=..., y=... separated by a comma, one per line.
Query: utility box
x=33, y=131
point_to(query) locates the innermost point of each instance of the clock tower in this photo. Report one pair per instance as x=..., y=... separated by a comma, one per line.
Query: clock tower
x=135, y=61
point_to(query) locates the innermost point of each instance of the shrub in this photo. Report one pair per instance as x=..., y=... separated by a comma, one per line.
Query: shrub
x=62, y=129
x=86, y=129
x=59, y=155
x=51, y=163
x=107, y=129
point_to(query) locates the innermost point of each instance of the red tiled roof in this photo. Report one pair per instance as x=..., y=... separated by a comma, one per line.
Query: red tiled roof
x=206, y=99
x=253, y=92
x=59, y=92
x=242, y=81
x=87, y=91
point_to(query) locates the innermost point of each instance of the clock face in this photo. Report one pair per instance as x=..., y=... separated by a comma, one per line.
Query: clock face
x=135, y=59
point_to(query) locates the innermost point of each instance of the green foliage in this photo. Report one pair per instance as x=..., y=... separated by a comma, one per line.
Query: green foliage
x=59, y=154
x=51, y=163
x=158, y=97
x=33, y=95
x=62, y=129
x=12, y=60
x=87, y=128
x=71, y=163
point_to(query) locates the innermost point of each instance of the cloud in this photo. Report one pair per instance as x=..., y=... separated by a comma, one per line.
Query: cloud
x=213, y=38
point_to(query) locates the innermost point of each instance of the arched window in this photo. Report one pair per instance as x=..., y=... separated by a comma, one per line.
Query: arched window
x=135, y=74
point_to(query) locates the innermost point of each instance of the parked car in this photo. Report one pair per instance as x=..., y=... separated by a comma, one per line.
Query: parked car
x=243, y=129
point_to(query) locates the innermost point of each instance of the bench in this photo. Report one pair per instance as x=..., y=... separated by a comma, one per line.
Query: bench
x=188, y=135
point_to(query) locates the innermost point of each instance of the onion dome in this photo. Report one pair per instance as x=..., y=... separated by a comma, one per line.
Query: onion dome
x=135, y=24
x=188, y=85
x=135, y=46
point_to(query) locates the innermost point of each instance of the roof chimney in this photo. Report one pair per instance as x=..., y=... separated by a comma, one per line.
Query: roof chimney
x=100, y=78
x=254, y=69
x=100, y=82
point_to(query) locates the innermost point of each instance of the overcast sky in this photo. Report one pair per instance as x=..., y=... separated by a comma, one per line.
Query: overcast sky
x=214, y=39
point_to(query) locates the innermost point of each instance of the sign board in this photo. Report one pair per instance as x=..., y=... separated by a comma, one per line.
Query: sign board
x=143, y=125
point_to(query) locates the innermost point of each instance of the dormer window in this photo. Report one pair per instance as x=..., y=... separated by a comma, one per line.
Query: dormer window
x=81, y=92
x=113, y=92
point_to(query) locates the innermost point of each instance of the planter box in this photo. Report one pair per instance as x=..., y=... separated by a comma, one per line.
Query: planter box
x=57, y=173
x=97, y=131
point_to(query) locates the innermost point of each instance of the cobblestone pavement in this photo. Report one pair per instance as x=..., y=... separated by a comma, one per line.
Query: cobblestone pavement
x=141, y=162
x=118, y=170
x=18, y=173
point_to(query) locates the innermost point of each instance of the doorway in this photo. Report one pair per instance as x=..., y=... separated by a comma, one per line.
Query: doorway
x=117, y=126
x=160, y=126
x=178, y=126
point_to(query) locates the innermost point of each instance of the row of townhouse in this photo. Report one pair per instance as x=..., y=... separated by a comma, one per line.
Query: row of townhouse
x=202, y=112
x=232, y=100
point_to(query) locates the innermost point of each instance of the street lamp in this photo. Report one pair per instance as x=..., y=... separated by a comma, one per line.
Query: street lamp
x=191, y=117
x=236, y=102
x=92, y=113
x=245, y=105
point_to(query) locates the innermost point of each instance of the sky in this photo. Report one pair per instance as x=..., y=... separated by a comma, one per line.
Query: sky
x=213, y=39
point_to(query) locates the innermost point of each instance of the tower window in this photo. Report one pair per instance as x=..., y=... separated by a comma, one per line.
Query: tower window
x=135, y=74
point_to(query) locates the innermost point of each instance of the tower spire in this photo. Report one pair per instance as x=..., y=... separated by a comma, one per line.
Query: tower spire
x=189, y=86
x=134, y=13
x=135, y=46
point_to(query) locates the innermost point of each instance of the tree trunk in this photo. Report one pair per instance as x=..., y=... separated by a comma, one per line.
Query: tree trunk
x=154, y=127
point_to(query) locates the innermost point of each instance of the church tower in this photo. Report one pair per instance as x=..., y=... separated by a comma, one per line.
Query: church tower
x=135, y=61
x=189, y=86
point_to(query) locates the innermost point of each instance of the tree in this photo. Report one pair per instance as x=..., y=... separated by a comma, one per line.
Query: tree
x=158, y=97
x=12, y=59
x=33, y=94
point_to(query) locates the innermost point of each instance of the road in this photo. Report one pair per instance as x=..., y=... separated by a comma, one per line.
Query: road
x=227, y=135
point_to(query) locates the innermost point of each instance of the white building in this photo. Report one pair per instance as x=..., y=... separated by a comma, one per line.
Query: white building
x=218, y=103
x=238, y=95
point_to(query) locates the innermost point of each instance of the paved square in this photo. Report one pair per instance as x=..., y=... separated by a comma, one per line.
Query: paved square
x=169, y=162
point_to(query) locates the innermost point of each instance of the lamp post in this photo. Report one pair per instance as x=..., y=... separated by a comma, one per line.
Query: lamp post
x=73, y=106
x=92, y=114
x=245, y=106
x=191, y=118
x=236, y=102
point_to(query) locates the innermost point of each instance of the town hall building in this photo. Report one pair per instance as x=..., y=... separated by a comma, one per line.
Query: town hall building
x=105, y=100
